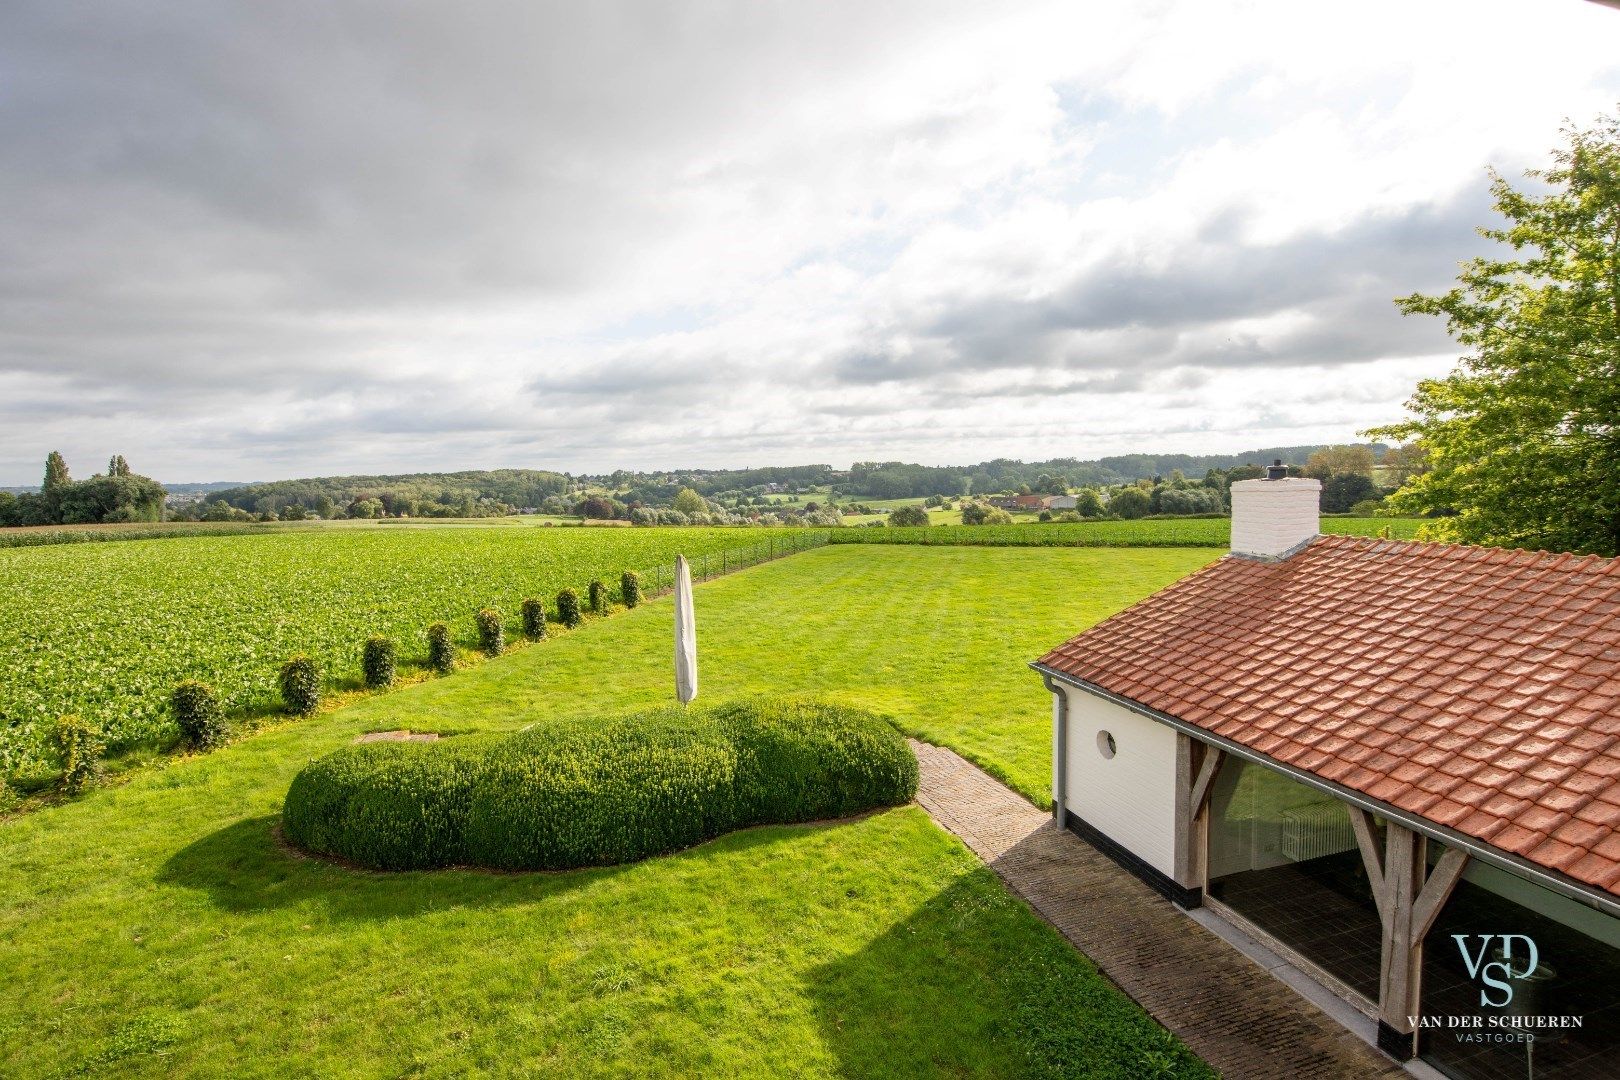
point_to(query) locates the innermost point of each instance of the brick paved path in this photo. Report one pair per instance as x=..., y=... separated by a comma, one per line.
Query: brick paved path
x=1232, y=1012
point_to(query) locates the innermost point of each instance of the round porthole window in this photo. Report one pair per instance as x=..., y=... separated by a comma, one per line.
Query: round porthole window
x=1105, y=744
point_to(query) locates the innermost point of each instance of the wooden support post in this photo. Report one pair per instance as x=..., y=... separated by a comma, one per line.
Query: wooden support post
x=1196, y=766
x=1409, y=900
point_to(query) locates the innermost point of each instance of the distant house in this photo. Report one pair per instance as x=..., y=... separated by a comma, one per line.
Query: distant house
x=1060, y=502
x=1017, y=502
x=1394, y=764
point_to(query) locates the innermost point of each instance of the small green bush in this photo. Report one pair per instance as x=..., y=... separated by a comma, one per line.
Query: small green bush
x=630, y=588
x=198, y=713
x=597, y=592
x=79, y=746
x=491, y=631
x=534, y=619
x=572, y=793
x=377, y=662
x=908, y=516
x=301, y=685
x=568, y=609
x=441, y=652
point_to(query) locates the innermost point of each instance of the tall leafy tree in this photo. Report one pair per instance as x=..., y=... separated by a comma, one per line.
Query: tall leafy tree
x=1522, y=442
x=56, y=473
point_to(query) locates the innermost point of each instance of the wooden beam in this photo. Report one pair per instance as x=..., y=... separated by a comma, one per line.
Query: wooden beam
x=1199, y=795
x=1437, y=890
x=1366, y=830
x=1188, y=866
x=1401, y=960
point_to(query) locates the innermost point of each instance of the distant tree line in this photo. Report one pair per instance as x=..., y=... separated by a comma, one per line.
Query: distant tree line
x=118, y=495
x=459, y=494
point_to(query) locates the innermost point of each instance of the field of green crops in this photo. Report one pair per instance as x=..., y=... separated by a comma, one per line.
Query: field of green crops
x=105, y=630
x=1144, y=532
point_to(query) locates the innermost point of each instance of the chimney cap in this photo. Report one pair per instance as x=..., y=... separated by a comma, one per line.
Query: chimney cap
x=1277, y=470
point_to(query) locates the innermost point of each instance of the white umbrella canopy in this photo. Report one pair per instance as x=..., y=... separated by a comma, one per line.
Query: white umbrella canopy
x=686, y=675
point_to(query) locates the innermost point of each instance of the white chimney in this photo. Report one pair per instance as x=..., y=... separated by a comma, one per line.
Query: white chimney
x=1274, y=517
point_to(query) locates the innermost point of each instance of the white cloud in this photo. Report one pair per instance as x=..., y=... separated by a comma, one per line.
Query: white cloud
x=254, y=241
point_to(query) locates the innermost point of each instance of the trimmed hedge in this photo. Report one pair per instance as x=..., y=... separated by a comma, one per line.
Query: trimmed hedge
x=300, y=685
x=79, y=744
x=534, y=619
x=630, y=588
x=491, y=631
x=377, y=662
x=198, y=713
x=579, y=793
x=568, y=609
x=441, y=652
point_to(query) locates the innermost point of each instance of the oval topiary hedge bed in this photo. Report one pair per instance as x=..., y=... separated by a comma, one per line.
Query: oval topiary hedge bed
x=590, y=793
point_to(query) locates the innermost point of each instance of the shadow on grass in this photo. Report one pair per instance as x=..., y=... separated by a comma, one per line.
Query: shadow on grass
x=972, y=983
x=245, y=867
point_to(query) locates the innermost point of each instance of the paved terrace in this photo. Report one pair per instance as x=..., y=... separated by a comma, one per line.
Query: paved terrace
x=1232, y=1012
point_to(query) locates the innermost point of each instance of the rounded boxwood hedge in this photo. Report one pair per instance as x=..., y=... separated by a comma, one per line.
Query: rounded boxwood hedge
x=567, y=794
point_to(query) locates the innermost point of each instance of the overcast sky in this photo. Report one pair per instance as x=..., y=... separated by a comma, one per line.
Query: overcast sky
x=258, y=240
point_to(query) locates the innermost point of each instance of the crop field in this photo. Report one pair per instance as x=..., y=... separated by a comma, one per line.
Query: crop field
x=105, y=630
x=1143, y=532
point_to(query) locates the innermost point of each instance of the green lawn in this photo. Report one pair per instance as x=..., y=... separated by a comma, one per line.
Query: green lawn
x=156, y=928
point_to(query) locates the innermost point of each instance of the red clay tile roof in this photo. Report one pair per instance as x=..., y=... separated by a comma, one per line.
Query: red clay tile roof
x=1476, y=687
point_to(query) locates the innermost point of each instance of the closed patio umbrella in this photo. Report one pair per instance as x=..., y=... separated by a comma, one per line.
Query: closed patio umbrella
x=686, y=679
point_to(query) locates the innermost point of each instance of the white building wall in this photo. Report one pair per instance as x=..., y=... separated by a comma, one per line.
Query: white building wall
x=1131, y=797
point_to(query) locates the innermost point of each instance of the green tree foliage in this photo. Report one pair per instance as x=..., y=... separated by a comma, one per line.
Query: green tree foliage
x=1340, y=493
x=1185, y=500
x=1522, y=438
x=1340, y=461
x=908, y=516
x=118, y=497
x=108, y=499
x=1087, y=504
x=56, y=473
x=975, y=513
x=596, y=592
x=688, y=501
x=1131, y=503
x=630, y=588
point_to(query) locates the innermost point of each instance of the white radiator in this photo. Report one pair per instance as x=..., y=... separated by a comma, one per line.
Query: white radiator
x=1314, y=830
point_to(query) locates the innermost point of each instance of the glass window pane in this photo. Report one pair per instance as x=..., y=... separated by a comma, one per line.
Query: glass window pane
x=1283, y=856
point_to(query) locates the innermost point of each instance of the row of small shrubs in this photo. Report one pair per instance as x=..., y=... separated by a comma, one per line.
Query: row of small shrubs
x=578, y=793
x=301, y=683
x=200, y=715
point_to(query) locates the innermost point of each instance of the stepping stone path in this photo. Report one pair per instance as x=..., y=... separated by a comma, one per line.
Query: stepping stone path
x=1234, y=1014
